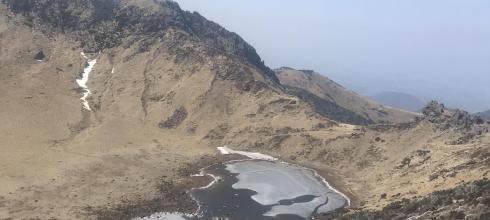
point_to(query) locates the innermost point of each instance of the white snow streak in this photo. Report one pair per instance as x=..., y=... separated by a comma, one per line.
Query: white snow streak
x=215, y=179
x=166, y=216
x=251, y=155
x=83, y=81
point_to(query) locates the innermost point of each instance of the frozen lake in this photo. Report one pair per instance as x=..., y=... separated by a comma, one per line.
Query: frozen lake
x=258, y=189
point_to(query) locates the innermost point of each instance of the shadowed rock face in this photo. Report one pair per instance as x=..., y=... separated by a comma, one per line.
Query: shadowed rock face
x=175, y=119
x=329, y=109
x=39, y=56
x=100, y=24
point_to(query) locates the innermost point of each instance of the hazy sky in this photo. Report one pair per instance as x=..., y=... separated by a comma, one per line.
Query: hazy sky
x=429, y=48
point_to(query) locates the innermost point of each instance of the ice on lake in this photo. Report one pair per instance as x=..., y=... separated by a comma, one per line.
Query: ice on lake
x=286, y=188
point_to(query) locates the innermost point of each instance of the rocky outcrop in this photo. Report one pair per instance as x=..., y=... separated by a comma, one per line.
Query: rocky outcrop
x=39, y=56
x=175, y=119
x=445, y=118
x=466, y=125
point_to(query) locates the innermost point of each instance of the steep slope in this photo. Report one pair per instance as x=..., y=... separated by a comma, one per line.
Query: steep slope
x=337, y=102
x=399, y=100
x=166, y=88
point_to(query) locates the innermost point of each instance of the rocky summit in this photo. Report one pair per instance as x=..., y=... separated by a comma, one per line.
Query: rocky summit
x=110, y=106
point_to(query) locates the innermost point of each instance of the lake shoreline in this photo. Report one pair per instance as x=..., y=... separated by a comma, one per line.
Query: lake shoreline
x=203, y=180
x=183, y=202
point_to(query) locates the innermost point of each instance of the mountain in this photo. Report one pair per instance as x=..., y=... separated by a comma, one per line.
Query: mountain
x=109, y=107
x=164, y=84
x=335, y=101
x=485, y=115
x=399, y=100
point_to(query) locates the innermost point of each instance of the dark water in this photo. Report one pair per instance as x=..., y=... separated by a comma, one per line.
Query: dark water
x=224, y=200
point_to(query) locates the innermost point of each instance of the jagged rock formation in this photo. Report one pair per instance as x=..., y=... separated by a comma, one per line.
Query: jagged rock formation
x=459, y=120
x=445, y=118
x=336, y=102
x=168, y=88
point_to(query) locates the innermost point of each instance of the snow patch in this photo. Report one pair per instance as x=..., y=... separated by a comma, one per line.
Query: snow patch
x=331, y=188
x=82, y=83
x=166, y=216
x=252, y=155
x=215, y=179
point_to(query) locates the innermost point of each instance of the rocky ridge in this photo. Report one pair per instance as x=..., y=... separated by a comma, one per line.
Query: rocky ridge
x=336, y=102
x=103, y=24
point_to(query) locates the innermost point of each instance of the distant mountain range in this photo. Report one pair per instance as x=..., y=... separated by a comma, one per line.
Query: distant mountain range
x=399, y=100
x=485, y=115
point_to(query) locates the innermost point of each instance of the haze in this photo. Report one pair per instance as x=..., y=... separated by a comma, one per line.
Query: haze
x=435, y=49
